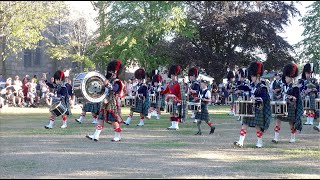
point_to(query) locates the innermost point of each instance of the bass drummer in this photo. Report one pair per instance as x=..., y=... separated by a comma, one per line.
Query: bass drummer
x=61, y=95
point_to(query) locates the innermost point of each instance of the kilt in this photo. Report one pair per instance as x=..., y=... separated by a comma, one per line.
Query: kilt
x=139, y=106
x=142, y=106
x=91, y=107
x=291, y=114
x=158, y=103
x=108, y=116
x=204, y=114
x=294, y=115
x=262, y=117
x=312, y=101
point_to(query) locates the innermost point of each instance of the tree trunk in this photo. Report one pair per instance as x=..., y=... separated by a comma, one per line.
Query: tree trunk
x=2, y=55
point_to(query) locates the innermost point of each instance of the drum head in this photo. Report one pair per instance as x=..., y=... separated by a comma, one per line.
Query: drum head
x=92, y=87
x=54, y=105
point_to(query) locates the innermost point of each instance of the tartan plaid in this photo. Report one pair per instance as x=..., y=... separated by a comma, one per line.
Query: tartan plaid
x=204, y=114
x=158, y=103
x=262, y=118
x=142, y=106
x=183, y=109
x=312, y=101
x=139, y=106
x=294, y=114
x=91, y=107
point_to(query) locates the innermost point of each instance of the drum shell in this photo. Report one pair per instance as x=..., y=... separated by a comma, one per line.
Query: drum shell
x=58, y=109
x=130, y=101
x=245, y=108
x=80, y=85
x=317, y=100
x=279, y=108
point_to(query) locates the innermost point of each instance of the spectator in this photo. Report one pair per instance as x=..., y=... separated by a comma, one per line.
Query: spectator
x=35, y=78
x=25, y=81
x=32, y=93
x=129, y=87
x=17, y=81
x=9, y=82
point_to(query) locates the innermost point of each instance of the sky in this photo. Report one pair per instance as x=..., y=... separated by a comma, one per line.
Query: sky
x=293, y=32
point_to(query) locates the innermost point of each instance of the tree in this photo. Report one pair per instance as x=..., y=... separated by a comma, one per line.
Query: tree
x=230, y=33
x=136, y=26
x=21, y=23
x=310, y=48
x=70, y=38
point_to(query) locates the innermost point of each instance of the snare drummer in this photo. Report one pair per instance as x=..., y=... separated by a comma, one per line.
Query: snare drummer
x=193, y=89
x=317, y=128
x=309, y=89
x=231, y=87
x=142, y=98
x=156, y=88
x=61, y=95
x=243, y=87
x=176, y=92
x=263, y=115
x=110, y=111
x=294, y=104
x=203, y=115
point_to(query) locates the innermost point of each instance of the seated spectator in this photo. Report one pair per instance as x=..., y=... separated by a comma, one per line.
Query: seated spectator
x=32, y=93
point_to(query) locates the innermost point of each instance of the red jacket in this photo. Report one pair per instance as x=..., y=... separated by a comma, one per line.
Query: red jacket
x=173, y=88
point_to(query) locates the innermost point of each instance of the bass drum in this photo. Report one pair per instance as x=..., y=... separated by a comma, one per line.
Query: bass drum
x=90, y=87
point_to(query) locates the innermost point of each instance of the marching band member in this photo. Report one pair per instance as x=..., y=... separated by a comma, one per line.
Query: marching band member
x=110, y=111
x=243, y=87
x=294, y=104
x=262, y=106
x=156, y=88
x=309, y=89
x=142, y=98
x=94, y=108
x=203, y=115
x=176, y=92
x=231, y=90
x=61, y=95
x=317, y=128
x=276, y=87
x=194, y=88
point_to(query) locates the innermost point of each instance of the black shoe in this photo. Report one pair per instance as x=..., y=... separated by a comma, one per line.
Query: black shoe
x=212, y=130
x=316, y=128
x=274, y=141
x=198, y=133
x=77, y=121
x=87, y=136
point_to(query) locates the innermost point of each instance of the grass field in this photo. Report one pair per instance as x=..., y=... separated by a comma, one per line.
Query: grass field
x=28, y=150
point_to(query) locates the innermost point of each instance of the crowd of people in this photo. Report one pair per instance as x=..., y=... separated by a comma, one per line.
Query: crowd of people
x=28, y=92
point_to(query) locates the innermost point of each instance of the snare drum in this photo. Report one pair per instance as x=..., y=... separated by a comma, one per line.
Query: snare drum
x=130, y=101
x=306, y=103
x=192, y=106
x=279, y=108
x=317, y=100
x=245, y=108
x=153, y=98
x=58, y=108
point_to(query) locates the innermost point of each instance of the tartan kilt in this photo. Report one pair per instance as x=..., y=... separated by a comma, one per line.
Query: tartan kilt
x=312, y=101
x=204, y=114
x=91, y=107
x=109, y=116
x=158, y=102
x=262, y=117
x=291, y=114
x=139, y=106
